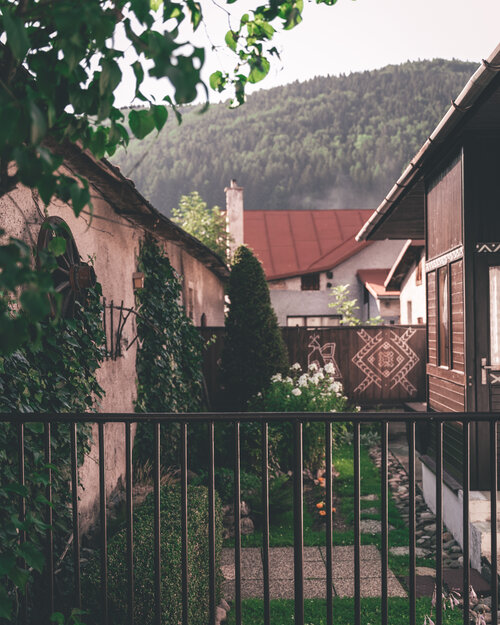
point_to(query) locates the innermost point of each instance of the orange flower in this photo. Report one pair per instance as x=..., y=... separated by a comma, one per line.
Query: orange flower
x=322, y=481
x=322, y=512
x=320, y=504
x=334, y=509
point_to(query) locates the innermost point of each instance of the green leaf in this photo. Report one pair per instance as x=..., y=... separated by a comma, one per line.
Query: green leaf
x=259, y=70
x=5, y=604
x=141, y=122
x=217, y=81
x=155, y=4
x=160, y=116
x=17, y=36
x=35, y=303
x=57, y=617
x=231, y=40
x=32, y=556
x=110, y=77
x=38, y=123
x=57, y=246
x=80, y=197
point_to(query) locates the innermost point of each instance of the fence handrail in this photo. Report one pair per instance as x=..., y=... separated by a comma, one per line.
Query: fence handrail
x=231, y=417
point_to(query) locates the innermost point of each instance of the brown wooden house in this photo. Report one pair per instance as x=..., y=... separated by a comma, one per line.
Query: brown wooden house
x=449, y=195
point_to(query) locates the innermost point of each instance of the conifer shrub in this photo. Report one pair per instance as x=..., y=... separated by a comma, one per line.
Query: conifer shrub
x=171, y=573
x=254, y=349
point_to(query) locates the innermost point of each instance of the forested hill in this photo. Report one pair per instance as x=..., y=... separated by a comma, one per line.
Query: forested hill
x=329, y=142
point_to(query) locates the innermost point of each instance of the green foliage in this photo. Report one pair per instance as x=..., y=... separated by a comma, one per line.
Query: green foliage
x=315, y=390
x=59, y=69
x=254, y=349
x=169, y=360
x=280, y=499
x=171, y=597
x=329, y=142
x=349, y=308
x=207, y=225
x=57, y=375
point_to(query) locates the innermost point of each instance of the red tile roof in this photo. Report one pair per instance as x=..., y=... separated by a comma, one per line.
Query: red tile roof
x=296, y=242
x=374, y=279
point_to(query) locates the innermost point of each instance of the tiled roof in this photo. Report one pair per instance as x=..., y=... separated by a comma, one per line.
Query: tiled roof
x=374, y=279
x=296, y=242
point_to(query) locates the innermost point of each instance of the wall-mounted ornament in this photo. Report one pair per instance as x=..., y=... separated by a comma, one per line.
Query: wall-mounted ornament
x=71, y=276
x=488, y=248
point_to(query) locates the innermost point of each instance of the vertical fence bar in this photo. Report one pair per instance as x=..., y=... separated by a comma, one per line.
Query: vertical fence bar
x=265, y=508
x=130, y=524
x=439, y=523
x=357, y=525
x=298, y=524
x=111, y=331
x=329, y=524
x=184, y=524
x=412, y=522
x=104, y=531
x=23, y=612
x=104, y=326
x=384, y=441
x=493, y=517
x=465, y=510
x=211, y=519
x=49, y=520
x=76, y=517
x=237, y=524
x=157, y=521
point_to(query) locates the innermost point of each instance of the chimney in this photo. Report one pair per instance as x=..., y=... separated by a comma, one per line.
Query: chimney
x=234, y=215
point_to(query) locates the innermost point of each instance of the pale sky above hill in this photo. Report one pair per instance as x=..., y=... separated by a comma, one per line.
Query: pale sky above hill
x=355, y=35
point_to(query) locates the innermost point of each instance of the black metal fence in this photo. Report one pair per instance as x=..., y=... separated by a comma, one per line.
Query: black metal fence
x=357, y=421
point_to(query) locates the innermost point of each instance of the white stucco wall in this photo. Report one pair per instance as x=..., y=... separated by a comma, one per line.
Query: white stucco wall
x=288, y=300
x=414, y=293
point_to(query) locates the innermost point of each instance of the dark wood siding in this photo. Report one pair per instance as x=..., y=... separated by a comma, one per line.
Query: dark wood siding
x=444, y=211
x=457, y=316
x=431, y=318
x=446, y=396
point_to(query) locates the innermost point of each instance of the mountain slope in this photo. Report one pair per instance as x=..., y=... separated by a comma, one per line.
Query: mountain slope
x=330, y=142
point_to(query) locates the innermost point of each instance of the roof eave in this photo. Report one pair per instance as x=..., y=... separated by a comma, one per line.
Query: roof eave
x=460, y=106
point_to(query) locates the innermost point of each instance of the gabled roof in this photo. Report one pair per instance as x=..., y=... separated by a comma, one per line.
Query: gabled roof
x=477, y=107
x=296, y=242
x=123, y=197
x=410, y=254
x=374, y=280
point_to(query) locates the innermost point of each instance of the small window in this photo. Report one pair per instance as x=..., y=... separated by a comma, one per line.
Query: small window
x=418, y=275
x=203, y=320
x=329, y=275
x=443, y=317
x=409, y=319
x=310, y=282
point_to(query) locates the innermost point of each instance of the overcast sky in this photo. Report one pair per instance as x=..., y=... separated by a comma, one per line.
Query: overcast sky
x=355, y=35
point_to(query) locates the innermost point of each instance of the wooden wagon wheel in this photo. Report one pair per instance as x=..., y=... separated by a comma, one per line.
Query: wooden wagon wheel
x=71, y=276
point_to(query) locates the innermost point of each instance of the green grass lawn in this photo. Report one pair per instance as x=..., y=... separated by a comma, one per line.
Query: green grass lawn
x=343, y=611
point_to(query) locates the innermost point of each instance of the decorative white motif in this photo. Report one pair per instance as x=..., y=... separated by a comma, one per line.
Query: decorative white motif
x=386, y=362
x=443, y=260
x=321, y=355
x=494, y=378
x=487, y=248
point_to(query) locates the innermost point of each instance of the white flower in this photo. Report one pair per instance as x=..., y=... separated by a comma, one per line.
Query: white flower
x=302, y=381
x=329, y=368
x=336, y=387
x=315, y=378
x=259, y=394
x=288, y=380
x=296, y=392
x=296, y=367
x=276, y=377
x=313, y=367
x=320, y=375
x=358, y=408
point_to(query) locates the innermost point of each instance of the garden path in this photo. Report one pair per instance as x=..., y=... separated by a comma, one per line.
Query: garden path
x=281, y=578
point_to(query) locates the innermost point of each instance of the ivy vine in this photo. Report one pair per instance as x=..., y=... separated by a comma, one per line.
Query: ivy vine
x=169, y=361
x=57, y=374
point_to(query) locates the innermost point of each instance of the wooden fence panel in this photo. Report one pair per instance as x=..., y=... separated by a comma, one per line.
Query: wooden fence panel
x=376, y=364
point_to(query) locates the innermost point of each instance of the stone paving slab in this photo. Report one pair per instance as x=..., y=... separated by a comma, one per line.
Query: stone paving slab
x=281, y=573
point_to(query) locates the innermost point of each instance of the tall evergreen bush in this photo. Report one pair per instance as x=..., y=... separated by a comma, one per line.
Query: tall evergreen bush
x=254, y=349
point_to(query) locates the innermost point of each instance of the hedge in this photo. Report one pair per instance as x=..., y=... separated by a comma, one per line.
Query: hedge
x=171, y=598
